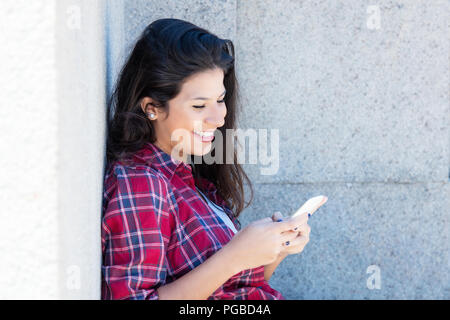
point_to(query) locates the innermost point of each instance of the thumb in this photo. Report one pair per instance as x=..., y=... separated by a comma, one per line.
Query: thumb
x=277, y=216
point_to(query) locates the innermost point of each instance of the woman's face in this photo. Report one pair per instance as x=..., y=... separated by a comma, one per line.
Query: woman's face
x=175, y=135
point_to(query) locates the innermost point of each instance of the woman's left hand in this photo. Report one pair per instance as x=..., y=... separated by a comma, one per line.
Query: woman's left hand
x=300, y=237
x=297, y=243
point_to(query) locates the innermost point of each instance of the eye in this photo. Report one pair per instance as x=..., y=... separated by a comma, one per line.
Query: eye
x=200, y=107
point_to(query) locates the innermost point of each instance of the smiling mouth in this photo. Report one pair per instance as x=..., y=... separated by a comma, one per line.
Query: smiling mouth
x=203, y=138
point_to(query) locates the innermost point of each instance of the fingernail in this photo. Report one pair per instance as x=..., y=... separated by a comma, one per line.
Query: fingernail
x=287, y=243
x=295, y=228
x=309, y=215
x=279, y=220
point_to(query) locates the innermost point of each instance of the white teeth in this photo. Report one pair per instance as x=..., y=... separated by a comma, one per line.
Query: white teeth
x=204, y=134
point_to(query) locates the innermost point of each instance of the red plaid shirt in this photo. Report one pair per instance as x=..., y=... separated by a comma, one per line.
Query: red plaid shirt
x=156, y=228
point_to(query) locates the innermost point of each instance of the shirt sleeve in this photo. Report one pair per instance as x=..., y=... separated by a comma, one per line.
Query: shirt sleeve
x=136, y=228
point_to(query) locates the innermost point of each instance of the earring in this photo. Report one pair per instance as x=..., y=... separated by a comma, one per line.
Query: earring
x=152, y=115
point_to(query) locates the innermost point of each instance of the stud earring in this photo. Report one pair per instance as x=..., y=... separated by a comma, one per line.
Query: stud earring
x=152, y=115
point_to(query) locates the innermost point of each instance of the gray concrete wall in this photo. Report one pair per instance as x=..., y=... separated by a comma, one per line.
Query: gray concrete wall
x=29, y=237
x=81, y=65
x=363, y=115
x=52, y=141
x=360, y=97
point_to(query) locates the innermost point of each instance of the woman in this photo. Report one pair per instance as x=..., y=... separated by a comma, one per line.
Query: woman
x=169, y=224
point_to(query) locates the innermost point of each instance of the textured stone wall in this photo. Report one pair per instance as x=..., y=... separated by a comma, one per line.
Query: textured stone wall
x=52, y=141
x=358, y=92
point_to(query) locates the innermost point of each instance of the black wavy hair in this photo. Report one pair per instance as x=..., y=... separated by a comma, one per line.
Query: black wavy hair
x=166, y=53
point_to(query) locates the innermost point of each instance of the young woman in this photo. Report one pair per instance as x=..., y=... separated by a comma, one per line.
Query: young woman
x=169, y=224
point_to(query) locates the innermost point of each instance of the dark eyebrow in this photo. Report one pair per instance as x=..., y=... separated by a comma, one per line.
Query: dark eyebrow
x=201, y=98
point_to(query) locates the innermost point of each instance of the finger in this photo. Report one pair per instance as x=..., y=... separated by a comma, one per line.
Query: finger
x=288, y=236
x=277, y=216
x=296, y=246
x=301, y=218
x=290, y=232
x=301, y=240
x=298, y=241
x=291, y=223
x=304, y=229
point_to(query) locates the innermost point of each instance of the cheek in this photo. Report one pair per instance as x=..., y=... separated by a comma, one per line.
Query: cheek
x=185, y=120
x=182, y=120
x=184, y=126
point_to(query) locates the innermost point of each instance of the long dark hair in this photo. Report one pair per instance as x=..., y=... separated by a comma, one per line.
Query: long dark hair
x=166, y=53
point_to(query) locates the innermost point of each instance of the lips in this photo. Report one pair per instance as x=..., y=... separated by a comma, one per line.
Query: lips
x=204, y=139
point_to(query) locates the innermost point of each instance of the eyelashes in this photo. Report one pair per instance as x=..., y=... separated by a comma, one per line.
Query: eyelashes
x=200, y=107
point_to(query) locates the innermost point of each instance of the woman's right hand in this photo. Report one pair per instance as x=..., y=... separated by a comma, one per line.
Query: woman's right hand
x=261, y=241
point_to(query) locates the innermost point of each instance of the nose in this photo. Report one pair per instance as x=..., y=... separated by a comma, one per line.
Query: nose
x=217, y=116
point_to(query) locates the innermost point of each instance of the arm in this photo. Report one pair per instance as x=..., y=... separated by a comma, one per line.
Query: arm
x=200, y=283
x=269, y=269
x=136, y=229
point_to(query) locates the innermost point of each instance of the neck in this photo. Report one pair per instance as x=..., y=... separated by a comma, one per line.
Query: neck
x=179, y=155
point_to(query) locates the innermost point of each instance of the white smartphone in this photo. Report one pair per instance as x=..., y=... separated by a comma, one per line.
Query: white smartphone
x=311, y=205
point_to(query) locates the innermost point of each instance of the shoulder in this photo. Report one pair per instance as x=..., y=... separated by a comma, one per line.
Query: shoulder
x=139, y=178
x=138, y=195
x=141, y=183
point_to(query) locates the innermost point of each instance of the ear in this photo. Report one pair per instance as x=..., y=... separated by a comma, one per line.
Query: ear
x=148, y=107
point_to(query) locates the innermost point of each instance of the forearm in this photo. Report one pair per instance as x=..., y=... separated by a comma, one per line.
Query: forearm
x=201, y=282
x=269, y=269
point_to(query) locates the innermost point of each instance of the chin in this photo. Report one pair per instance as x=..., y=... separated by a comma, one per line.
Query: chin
x=201, y=150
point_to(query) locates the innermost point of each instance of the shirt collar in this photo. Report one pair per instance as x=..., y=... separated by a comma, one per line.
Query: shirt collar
x=169, y=166
x=162, y=161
